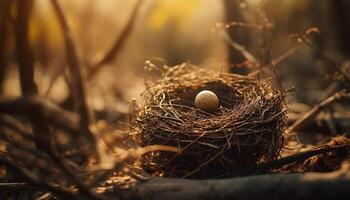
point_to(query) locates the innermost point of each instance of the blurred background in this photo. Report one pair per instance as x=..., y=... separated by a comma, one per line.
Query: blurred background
x=171, y=32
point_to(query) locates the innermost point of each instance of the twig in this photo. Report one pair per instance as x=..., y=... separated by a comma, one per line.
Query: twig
x=54, y=77
x=320, y=122
x=284, y=56
x=247, y=55
x=4, y=7
x=238, y=24
x=335, y=67
x=24, y=53
x=298, y=157
x=183, y=149
x=118, y=44
x=35, y=106
x=56, y=161
x=78, y=73
x=14, y=124
x=84, y=190
x=211, y=159
x=309, y=116
x=43, y=138
x=36, y=181
x=16, y=186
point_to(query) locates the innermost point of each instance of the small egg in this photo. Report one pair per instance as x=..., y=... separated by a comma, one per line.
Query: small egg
x=207, y=100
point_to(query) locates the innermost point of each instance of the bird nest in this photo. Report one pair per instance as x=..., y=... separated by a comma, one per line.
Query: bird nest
x=245, y=130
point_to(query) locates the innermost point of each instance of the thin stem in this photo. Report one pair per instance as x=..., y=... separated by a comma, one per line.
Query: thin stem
x=118, y=44
x=78, y=73
x=309, y=116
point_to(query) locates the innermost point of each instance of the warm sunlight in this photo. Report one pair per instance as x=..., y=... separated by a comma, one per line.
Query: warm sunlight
x=174, y=99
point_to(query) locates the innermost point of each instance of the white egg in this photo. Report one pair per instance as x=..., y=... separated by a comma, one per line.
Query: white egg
x=207, y=100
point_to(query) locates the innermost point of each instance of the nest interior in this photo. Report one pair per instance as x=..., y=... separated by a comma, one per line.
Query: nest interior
x=245, y=130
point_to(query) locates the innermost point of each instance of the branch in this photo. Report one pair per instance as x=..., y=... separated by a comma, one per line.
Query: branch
x=240, y=48
x=323, y=123
x=24, y=53
x=309, y=116
x=16, y=186
x=84, y=190
x=234, y=17
x=35, y=106
x=14, y=124
x=78, y=73
x=4, y=7
x=118, y=44
x=331, y=63
x=47, y=166
x=280, y=186
x=43, y=137
x=36, y=181
x=298, y=157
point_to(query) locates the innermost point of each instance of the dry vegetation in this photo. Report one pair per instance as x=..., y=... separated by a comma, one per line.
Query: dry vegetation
x=246, y=130
x=263, y=143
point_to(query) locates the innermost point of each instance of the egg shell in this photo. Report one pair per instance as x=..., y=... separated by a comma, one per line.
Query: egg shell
x=207, y=100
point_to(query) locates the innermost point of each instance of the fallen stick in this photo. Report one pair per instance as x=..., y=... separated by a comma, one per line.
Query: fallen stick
x=319, y=186
x=298, y=157
x=36, y=181
x=17, y=186
x=310, y=115
x=34, y=106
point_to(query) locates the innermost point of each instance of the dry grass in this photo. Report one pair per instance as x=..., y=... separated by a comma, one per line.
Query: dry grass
x=246, y=129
